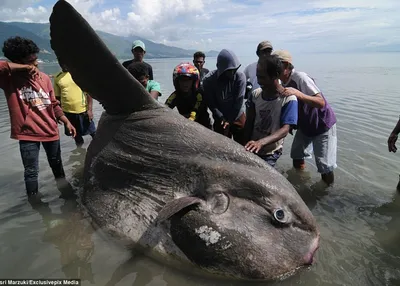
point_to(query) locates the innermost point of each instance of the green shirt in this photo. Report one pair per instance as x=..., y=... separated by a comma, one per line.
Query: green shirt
x=153, y=86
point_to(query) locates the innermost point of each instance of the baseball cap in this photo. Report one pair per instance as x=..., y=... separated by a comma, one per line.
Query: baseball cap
x=283, y=55
x=264, y=45
x=138, y=44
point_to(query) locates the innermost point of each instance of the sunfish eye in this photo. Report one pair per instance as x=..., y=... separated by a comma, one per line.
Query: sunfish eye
x=219, y=203
x=279, y=215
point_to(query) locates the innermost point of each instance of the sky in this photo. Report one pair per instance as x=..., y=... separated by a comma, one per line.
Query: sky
x=306, y=26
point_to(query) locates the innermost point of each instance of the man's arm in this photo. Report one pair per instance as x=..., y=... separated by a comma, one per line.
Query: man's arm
x=246, y=72
x=193, y=113
x=208, y=93
x=13, y=67
x=57, y=90
x=250, y=117
x=289, y=116
x=238, y=93
x=315, y=101
x=155, y=90
x=307, y=92
x=89, y=101
x=396, y=129
x=171, y=102
x=8, y=68
x=155, y=94
x=255, y=146
x=5, y=73
x=393, y=138
x=150, y=72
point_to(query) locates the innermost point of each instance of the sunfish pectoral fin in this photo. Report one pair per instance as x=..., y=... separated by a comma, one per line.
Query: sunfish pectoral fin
x=92, y=66
x=176, y=206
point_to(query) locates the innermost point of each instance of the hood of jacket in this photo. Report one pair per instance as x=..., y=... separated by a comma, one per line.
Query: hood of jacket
x=227, y=60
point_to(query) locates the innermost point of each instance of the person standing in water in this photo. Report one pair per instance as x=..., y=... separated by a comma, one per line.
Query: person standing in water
x=187, y=97
x=224, y=91
x=138, y=51
x=273, y=114
x=316, y=122
x=264, y=49
x=34, y=110
x=76, y=105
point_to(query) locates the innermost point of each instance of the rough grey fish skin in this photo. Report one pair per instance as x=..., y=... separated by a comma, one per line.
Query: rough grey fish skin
x=183, y=194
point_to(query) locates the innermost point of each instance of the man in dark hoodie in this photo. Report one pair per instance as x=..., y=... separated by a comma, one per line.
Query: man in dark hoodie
x=224, y=91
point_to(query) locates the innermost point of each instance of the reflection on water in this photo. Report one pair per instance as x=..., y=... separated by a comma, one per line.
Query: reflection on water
x=359, y=216
x=68, y=231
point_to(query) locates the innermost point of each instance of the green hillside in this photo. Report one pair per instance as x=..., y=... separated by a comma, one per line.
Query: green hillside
x=120, y=46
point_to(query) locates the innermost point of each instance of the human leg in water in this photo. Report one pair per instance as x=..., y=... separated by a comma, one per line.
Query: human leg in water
x=325, y=146
x=300, y=150
x=53, y=152
x=30, y=159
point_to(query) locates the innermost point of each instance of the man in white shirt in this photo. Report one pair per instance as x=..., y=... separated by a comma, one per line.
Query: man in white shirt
x=264, y=48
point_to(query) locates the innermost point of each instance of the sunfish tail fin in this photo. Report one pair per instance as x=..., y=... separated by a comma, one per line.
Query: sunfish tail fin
x=91, y=64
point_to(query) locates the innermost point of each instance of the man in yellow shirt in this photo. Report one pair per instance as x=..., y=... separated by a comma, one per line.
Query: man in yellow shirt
x=76, y=104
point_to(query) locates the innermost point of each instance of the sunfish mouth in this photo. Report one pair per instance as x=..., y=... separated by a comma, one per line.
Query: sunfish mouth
x=309, y=257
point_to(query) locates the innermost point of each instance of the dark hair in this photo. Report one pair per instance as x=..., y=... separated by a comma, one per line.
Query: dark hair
x=289, y=66
x=266, y=52
x=199, y=55
x=138, y=69
x=17, y=48
x=272, y=65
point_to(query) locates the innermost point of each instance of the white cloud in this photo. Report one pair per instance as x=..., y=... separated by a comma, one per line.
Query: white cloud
x=328, y=25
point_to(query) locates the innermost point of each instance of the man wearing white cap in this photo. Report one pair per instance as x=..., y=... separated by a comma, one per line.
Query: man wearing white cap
x=316, y=120
x=138, y=51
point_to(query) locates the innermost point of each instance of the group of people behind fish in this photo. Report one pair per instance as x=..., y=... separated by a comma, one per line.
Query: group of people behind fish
x=257, y=107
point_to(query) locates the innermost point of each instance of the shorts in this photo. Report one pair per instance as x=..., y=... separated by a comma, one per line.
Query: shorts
x=324, y=145
x=81, y=122
x=272, y=158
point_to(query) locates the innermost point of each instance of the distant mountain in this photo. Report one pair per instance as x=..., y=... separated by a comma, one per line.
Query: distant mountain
x=120, y=46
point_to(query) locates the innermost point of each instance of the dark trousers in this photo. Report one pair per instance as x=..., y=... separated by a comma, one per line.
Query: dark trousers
x=235, y=130
x=30, y=159
x=272, y=158
x=82, y=124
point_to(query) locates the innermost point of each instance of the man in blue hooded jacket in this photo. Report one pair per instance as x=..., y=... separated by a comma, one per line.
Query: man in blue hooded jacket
x=224, y=91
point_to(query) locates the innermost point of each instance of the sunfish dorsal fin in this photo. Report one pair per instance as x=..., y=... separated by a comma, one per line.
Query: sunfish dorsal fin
x=92, y=66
